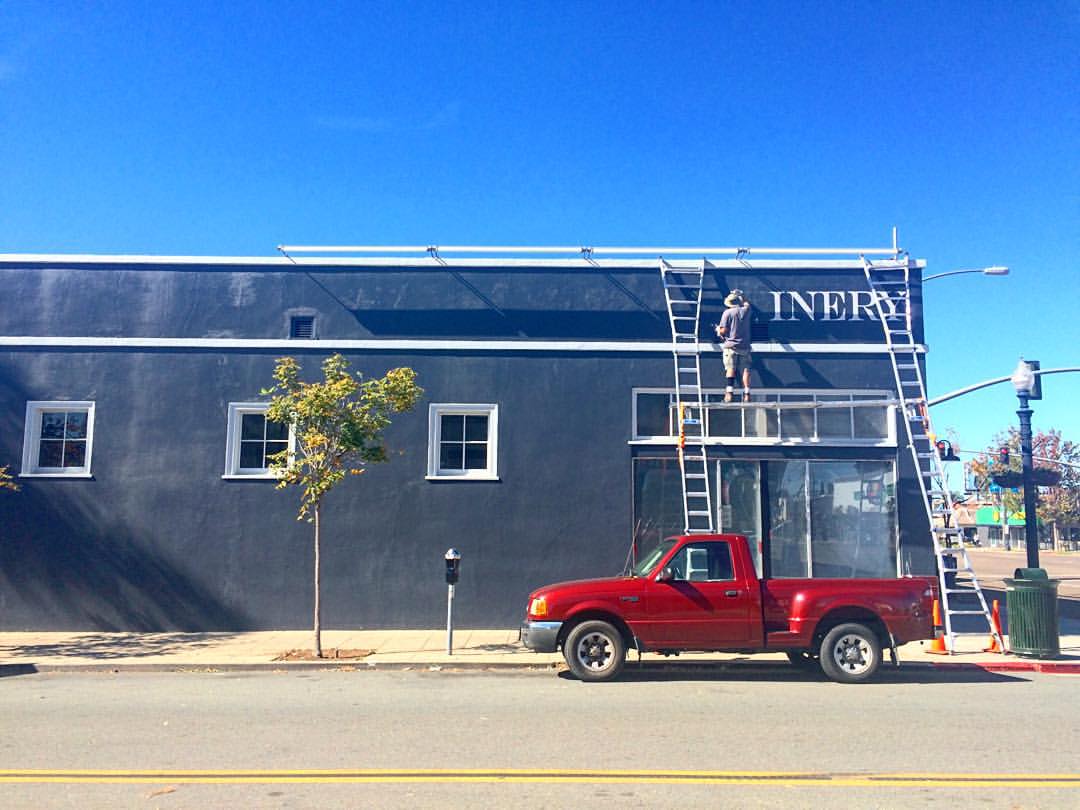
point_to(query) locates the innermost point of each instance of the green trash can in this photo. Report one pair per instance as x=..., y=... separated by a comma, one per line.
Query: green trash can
x=1031, y=602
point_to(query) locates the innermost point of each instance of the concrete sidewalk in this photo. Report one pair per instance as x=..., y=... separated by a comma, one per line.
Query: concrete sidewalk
x=395, y=649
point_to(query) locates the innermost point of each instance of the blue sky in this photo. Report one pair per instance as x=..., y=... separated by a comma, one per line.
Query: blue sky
x=208, y=128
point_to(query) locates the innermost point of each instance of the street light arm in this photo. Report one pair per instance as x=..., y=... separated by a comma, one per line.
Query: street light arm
x=995, y=270
x=995, y=381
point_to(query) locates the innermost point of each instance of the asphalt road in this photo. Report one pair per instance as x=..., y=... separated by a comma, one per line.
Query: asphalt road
x=766, y=737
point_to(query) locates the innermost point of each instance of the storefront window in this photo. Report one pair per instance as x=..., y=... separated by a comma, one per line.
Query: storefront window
x=740, y=503
x=825, y=518
x=787, y=518
x=658, y=505
x=852, y=519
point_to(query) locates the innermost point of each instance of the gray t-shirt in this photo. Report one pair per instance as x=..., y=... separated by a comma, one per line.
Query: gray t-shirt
x=736, y=324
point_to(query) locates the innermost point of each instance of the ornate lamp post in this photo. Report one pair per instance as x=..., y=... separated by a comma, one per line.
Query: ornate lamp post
x=1023, y=380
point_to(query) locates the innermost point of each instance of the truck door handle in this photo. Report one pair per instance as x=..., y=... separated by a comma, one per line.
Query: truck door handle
x=731, y=593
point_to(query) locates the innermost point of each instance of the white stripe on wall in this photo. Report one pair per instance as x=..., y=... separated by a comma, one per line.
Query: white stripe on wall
x=426, y=345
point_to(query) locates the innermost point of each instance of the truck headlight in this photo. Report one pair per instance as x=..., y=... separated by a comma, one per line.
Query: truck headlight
x=538, y=606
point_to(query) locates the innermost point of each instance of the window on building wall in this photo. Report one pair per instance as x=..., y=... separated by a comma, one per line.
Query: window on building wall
x=832, y=519
x=58, y=439
x=824, y=518
x=658, y=505
x=463, y=441
x=774, y=417
x=251, y=440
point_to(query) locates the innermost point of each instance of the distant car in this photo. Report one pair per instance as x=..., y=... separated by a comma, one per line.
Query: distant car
x=701, y=593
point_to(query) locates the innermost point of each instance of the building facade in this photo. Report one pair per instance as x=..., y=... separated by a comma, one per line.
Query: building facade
x=544, y=448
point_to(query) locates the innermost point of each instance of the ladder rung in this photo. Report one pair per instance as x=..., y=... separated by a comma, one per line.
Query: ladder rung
x=967, y=613
x=695, y=475
x=698, y=513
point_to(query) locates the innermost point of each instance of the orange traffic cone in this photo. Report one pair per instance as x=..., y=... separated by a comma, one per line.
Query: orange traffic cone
x=995, y=618
x=937, y=646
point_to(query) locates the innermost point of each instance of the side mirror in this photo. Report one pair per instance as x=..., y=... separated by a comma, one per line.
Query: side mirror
x=667, y=575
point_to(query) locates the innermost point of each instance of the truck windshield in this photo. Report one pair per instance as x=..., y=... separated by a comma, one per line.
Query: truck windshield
x=649, y=561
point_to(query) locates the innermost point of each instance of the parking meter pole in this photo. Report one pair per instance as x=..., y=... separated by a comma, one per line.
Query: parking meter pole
x=453, y=572
x=449, y=619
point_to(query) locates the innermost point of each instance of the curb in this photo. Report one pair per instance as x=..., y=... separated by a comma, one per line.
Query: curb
x=27, y=668
x=1044, y=667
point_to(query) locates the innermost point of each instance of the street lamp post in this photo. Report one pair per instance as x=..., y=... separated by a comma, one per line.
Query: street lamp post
x=1023, y=380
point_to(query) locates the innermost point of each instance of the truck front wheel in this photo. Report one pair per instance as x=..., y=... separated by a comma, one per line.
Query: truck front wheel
x=595, y=651
x=850, y=653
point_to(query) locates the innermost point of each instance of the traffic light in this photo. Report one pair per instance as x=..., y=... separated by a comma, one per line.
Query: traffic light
x=945, y=451
x=1003, y=456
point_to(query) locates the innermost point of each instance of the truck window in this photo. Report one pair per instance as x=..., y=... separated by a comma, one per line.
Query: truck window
x=649, y=561
x=703, y=562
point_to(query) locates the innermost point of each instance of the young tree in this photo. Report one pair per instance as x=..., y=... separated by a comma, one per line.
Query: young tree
x=337, y=425
x=1057, y=504
x=6, y=482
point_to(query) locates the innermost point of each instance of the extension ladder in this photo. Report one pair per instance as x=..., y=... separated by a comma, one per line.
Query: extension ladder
x=682, y=292
x=890, y=287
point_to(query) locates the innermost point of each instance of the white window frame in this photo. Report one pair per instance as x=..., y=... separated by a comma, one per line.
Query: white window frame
x=889, y=440
x=438, y=410
x=32, y=438
x=237, y=410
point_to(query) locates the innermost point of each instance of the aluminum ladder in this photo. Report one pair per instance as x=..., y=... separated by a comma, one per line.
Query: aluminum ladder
x=890, y=287
x=682, y=292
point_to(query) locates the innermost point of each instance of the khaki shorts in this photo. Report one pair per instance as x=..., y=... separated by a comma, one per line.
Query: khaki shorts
x=735, y=362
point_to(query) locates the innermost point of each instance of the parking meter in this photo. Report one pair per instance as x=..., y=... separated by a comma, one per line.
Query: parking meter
x=453, y=566
x=453, y=570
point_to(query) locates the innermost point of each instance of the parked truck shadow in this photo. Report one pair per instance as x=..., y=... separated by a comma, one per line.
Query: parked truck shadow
x=659, y=672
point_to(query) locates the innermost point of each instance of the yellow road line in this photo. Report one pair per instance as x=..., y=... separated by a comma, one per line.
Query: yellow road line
x=543, y=775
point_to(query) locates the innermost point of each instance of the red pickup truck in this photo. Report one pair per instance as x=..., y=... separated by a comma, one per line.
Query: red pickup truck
x=701, y=592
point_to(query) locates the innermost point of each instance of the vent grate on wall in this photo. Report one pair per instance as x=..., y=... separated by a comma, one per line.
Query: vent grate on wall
x=302, y=327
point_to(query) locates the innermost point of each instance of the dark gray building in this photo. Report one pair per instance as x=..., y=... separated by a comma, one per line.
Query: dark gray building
x=544, y=448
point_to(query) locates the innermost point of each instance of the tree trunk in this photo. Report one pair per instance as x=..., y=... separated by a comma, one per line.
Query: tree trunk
x=318, y=606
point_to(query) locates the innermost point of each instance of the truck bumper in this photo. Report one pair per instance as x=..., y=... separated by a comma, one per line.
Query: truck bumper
x=541, y=636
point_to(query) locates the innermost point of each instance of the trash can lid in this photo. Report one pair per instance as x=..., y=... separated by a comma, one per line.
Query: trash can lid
x=1031, y=573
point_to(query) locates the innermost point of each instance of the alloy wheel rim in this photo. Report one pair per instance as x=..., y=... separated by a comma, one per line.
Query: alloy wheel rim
x=594, y=652
x=853, y=654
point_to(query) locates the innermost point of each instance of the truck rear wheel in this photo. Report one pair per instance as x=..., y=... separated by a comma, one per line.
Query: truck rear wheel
x=850, y=653
x=595, y=651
